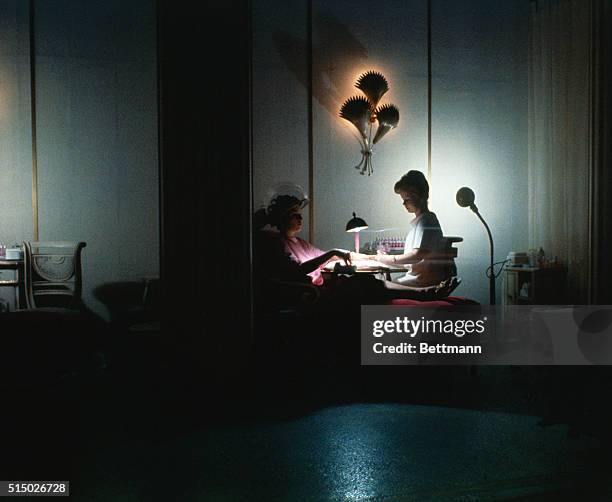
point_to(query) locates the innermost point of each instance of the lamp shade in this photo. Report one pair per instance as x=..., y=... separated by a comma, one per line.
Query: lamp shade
x=465, y=197
x=356, y=224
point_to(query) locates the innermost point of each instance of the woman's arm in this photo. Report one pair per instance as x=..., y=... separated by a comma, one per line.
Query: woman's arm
x=310, y=265
x=413, y=256
x=362, y=256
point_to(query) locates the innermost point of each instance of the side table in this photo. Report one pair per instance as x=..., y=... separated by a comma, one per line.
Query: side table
x=17, y=282
x=535, y=286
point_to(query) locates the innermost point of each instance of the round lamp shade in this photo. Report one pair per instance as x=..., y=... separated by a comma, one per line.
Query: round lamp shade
x=356, y=224
x=465, y=197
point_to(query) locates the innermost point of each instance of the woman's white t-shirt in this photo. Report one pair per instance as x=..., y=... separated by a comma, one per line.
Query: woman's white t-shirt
x=425, y=233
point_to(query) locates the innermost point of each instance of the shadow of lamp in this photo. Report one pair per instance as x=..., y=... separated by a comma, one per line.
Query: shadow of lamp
x=465, y=198
x=356, y=225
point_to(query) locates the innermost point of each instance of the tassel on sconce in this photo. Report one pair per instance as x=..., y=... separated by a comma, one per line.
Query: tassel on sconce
x=362, y=112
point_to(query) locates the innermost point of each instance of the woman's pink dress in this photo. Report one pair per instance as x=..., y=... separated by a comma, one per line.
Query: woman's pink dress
x=300, y=251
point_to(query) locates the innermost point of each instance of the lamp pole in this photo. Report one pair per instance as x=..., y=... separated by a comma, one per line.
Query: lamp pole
x=465, y=198
x=492, y=272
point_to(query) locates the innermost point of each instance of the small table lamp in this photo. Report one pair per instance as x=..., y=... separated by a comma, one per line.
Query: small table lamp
x=356, y=225
x=465, y=198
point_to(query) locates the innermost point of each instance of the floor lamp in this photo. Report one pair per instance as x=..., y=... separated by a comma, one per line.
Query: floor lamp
x=466, y=198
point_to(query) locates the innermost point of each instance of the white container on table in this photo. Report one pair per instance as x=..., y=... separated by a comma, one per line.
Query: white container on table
x=14, y=253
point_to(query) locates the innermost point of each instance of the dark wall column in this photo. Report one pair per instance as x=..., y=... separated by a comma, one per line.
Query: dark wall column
x=204, y=58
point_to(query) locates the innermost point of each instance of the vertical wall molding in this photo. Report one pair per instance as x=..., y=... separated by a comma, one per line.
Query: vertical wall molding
x=311, y=206
x=249, y=238
x=591, y=293
x=429, y=91
x=32, y=15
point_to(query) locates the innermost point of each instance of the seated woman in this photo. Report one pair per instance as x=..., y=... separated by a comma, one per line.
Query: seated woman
x=281, y=259
x=424, y=240
x=283, y=254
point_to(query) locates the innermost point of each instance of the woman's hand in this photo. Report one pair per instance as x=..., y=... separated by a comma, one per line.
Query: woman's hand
x=340, y=253
x=345, y=255
x=382, y=257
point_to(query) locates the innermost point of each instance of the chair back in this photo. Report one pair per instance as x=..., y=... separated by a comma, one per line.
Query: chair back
x=446, y=255
x=53, y=274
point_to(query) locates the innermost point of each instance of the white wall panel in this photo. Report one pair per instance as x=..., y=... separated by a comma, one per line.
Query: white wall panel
x=97, y=135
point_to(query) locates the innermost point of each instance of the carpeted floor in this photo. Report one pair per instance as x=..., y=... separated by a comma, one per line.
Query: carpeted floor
x=395, y=452
x=151, y=427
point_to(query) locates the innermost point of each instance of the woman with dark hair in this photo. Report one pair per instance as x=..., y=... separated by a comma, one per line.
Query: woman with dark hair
x=280, y=256
x=424, y=239
x=283, y=253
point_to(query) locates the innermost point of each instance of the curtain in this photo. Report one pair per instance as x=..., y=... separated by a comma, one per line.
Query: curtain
x=559, y=154
x=601, y=224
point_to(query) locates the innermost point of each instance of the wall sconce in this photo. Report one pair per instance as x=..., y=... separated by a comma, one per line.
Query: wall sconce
x=465, y=198
x=362, y=112
x=356, y=225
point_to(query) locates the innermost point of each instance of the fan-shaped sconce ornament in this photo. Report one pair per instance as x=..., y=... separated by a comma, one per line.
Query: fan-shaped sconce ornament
x=363, y=112
x=357, y=111
x=388, y=118
x=373, y=85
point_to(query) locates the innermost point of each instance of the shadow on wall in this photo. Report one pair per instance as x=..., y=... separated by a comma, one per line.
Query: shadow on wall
x=130, y=302
x=337, y=54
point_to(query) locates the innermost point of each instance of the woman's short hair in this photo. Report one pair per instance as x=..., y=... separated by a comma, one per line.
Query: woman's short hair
x=415, y=180
x=280, y=206
x=276, y=212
